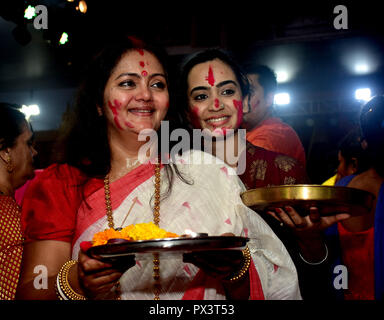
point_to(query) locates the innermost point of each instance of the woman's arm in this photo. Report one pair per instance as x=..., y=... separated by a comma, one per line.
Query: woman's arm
x=309, y=230
x=48, y=256
x=90, y=277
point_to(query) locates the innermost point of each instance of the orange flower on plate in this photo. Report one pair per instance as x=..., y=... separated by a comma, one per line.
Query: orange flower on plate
x=102, y=237
x=133, y=232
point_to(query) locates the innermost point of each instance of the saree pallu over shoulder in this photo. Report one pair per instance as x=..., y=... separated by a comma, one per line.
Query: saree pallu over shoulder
x=93, y=208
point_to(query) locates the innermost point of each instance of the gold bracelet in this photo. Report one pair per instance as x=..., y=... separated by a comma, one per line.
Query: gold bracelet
x=244, y=269
x=63, y=289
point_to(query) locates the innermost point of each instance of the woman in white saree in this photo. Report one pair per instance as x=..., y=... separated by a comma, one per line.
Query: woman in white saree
x=126, y=91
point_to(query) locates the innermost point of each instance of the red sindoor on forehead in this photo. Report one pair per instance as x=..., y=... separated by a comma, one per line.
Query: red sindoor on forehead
x=210, y=78
x=141, y=51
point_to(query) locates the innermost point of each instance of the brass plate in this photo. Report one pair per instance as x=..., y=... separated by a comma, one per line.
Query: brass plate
x=329, y=199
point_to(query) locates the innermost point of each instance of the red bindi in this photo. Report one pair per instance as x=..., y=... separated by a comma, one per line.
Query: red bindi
x=144, y=73
x=210, y=78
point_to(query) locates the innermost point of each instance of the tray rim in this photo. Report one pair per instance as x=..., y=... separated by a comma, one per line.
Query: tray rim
x=93, y=251
x=354, y=194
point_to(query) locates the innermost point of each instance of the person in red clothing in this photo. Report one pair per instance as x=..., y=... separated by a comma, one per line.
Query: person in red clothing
x=264, y=128
x=356, y=242
x=16, y=167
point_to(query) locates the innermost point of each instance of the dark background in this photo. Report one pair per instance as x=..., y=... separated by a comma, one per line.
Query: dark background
x=298, y=37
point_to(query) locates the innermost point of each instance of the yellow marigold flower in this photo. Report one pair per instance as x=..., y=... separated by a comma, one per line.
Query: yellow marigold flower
x=102, y=237
x=133, y=232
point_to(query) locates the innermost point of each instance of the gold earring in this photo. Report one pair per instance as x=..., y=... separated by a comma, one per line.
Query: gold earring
x=10, y=167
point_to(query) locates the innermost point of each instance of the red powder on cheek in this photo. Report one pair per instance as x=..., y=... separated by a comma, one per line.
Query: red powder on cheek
x=112, y=107
x=195, y=111
x=195, y=118
x=117, y=104
x=210, y=78
x=128, y=124
x=117, y=123
x=239, y=107
x=115, y=113
x=144, y=73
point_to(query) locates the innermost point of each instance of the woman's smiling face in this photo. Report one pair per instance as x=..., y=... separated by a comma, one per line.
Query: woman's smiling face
x=136, y=94
x=214, y=97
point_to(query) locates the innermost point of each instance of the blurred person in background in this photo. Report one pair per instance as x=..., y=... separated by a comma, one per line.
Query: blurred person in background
x=264, y=129
x=356, y=242
x=16, y=168
x=351, y=156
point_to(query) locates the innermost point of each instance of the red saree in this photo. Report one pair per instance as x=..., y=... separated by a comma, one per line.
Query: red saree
x=11, y=248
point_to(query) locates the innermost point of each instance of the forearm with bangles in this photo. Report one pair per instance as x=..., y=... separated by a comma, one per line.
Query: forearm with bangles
x=67, y=285
x=237, y=286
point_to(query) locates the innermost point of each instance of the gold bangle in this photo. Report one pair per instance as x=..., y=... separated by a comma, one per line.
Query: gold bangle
x=244, y=269
x=63, y=288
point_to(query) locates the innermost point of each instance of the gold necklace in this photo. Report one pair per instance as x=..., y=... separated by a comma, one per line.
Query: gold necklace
x=156, y=220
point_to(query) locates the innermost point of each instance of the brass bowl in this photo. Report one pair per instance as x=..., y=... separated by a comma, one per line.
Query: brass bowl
x=329, y=199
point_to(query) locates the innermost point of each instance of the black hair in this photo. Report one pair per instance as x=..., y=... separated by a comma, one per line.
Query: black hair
x=350, y=147
x=12, y=122
x=267, y=77
x=372, y=128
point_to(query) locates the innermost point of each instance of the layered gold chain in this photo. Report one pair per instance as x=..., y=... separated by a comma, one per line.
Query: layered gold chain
x=156, y=220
